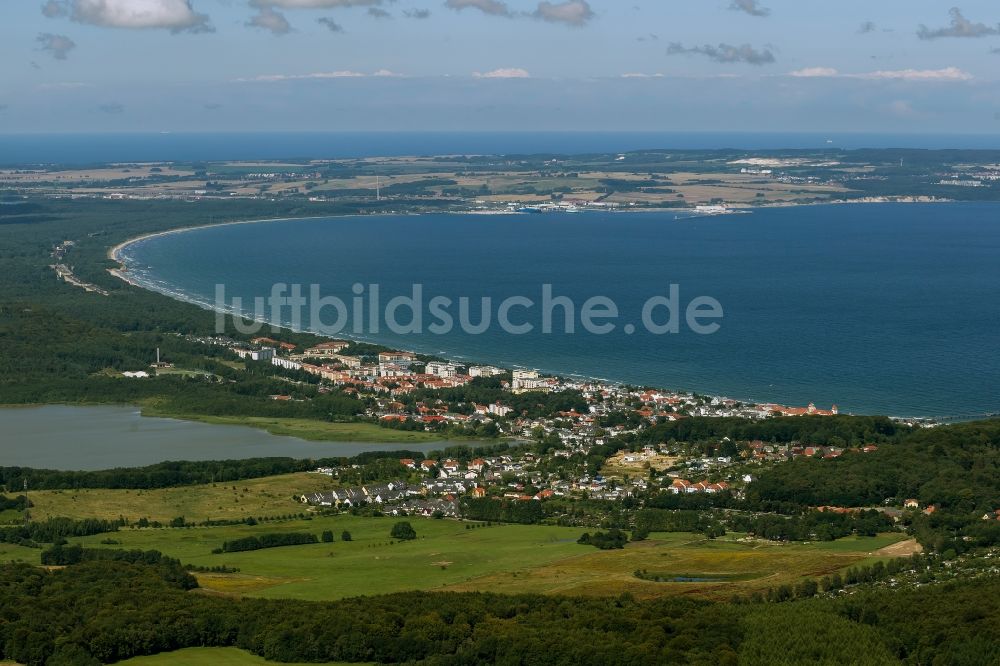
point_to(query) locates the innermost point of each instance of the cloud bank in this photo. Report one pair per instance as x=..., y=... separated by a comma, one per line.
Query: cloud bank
x=929, y=75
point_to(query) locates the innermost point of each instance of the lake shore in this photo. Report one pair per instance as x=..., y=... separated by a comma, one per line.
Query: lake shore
x=96, y=437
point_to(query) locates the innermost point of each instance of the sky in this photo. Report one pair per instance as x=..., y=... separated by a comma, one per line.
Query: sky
x=500, y=65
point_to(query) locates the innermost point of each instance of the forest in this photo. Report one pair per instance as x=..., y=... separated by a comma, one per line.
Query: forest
x=365, y=467
x=121, y=605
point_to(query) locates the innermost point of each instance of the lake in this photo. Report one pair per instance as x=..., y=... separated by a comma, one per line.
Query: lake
x=93, y=438
x=886, y=309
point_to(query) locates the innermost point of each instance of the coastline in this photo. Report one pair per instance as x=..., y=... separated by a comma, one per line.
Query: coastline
x=115, y=253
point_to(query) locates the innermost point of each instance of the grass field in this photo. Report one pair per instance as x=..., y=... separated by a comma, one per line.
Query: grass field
x=202, y=657
x=12, y=553
x=268, y=496
x=714, y=568
x=311, y=430
x=507, y=558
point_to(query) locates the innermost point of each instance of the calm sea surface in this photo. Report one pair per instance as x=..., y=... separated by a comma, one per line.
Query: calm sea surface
x=890, y=309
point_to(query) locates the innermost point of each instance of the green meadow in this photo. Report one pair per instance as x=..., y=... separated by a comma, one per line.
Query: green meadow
x=501, y=558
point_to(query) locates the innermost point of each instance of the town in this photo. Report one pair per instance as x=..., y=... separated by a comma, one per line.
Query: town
x=565, y=438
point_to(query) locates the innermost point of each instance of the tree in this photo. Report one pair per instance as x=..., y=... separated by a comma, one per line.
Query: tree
x=345, y=536
x=327, y=536
x=403, y=531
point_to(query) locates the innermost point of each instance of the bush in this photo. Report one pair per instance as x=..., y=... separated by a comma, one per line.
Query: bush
x=268, y=541
x=613, y=538
x=403, y=531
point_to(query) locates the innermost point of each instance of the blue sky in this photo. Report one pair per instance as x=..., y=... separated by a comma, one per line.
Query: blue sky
x=671, y=65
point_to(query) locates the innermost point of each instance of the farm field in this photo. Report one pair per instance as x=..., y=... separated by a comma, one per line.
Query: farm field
x=508, y=558
x=267, y=496
x=203, y=657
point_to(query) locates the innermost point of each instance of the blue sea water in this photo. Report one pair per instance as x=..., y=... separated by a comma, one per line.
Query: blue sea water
x=889, y=309
x=23, y=149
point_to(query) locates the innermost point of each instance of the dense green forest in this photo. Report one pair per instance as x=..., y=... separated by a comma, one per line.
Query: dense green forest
x=59, y=343
x=118, y=605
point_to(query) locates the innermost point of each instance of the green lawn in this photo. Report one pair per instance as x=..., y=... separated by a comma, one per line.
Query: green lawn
x=203, y=657
x=504, y=558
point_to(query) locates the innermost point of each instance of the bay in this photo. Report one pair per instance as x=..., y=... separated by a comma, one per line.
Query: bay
x=884, y=308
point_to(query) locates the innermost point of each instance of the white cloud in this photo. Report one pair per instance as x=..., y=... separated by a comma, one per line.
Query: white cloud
x=641, y=75
x=945, y=74
x=575, y=12
x=492, y=7
x=503, y=73
x=814, y=72
x=175, y=15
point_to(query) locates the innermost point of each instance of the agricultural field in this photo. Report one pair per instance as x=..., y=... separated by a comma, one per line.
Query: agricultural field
x=449, y=556
x=268, y=496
